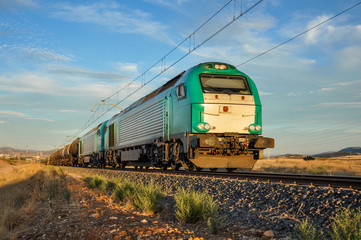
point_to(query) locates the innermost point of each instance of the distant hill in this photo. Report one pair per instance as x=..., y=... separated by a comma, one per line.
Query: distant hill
x=330, y=154
x=341, y=153
x=351, y=150
x=13, y=151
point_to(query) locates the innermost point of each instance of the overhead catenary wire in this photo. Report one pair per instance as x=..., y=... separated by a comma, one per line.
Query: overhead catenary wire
x=300, y=34
x=90, y=122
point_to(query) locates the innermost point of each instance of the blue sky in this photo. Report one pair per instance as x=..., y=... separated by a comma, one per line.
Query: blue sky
x=58, y=58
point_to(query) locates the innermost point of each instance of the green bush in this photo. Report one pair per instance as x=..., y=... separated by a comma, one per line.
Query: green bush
x=346, y=224
x=96, y=181
x=149, y=197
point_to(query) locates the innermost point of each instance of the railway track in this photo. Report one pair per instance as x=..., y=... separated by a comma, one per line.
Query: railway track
x=350, y=182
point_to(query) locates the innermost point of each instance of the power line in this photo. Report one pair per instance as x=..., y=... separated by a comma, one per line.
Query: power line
x=300, y=34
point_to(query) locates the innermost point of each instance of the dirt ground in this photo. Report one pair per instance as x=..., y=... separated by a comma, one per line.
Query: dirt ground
x=92, y=215
x=6, y=167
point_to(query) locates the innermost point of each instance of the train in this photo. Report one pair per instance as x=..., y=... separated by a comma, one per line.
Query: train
x=207, y=117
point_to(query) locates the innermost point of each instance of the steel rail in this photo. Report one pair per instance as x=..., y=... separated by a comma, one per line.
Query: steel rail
x=350, y=182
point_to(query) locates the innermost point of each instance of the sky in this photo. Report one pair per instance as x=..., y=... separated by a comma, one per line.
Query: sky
x=59, y=58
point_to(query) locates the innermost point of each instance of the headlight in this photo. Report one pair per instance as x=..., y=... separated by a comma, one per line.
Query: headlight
x=200, y=126
x=258, y=128
x=207, y=126
x=252, y=127
x=220, y=66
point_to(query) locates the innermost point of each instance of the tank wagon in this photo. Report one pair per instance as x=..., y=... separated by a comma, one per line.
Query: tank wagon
x=66, y=156
x=209, y=116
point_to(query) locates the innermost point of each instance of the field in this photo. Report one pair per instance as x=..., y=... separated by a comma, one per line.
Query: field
x=350, y=166
x=46, y=202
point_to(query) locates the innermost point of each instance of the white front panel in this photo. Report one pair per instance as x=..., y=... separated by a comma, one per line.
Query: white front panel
x=229, y=117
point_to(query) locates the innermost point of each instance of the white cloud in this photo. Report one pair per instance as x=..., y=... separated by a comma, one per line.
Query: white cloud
x=15, y=4
x=67, y=110
x=339, y=104
x=299, y=93
x=12, y=113
x=41, y=119
x=349, y=57
x=111, y=15
x=313, y=35
x=331, y=33
x=73, y=71
x=264, y=93
x=2, y=122
x=128, y=68
x=34, y=53
x=30, y=83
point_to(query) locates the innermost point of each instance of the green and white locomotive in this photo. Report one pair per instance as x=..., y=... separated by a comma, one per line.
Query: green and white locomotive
x=206, y=117
x=209, y=116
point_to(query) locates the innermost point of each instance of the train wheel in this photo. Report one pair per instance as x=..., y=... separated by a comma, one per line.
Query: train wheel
x=213, y=169
x=199, y=169
x=230, y=169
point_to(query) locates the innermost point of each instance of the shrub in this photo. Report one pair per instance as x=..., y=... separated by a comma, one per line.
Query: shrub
x=189, y=205
x=193, y=206
x=214, y=221
x=52, y=187
x=149, y=198
x=96, y=181
x=346, y=224
x=123, y=190
x=307, y=231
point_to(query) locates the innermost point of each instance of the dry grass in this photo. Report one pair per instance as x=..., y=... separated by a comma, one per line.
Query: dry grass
x=346, y=167
x=22, y=191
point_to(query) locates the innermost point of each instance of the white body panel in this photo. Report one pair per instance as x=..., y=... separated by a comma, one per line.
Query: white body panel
x=88, y=143
x=239, y=115
x=143, y=123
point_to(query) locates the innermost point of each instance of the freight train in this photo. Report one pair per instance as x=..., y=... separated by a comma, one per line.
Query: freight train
x=209, y=116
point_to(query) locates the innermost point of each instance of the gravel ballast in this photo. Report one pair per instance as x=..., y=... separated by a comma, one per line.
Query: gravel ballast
x=259, y=205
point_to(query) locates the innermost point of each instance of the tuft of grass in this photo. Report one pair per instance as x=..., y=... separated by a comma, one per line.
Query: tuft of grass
x=96, y=181
x=346, y=224
x=124, y=190
x=149, y=197
x=214, y=221
x=110, y=185
x=305, y=230
x=193, y=206
x=52, y=187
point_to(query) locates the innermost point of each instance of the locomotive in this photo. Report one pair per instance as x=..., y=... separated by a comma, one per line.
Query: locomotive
x=209, y=116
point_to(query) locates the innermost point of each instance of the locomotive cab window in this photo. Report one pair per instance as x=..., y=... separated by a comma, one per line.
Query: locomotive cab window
x=181, y=92
x=224, y=84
